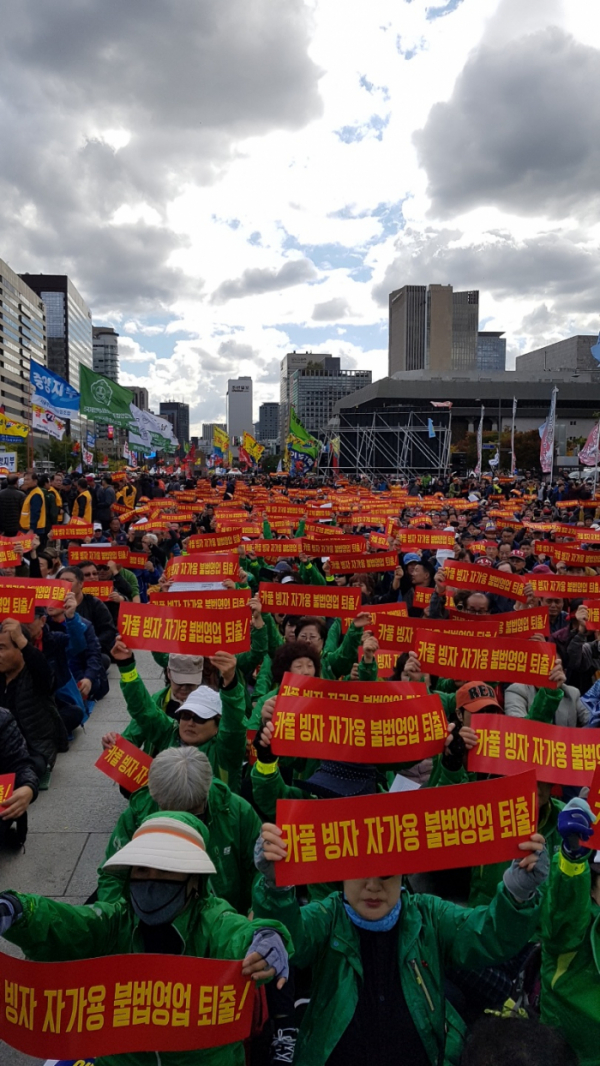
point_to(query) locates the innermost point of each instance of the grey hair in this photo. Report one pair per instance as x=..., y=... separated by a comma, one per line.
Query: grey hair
x=151, y=537
x=179, y=779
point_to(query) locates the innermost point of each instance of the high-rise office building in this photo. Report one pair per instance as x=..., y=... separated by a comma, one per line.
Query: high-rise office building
x=289, y=364
x=140, y=397
x=431, y=327
x=267, y=427
x=315, y=391
x=22, y=338
x=105, y=341
x=178, y=415
x=208, y=431
x=239, y=407
x=491, y=351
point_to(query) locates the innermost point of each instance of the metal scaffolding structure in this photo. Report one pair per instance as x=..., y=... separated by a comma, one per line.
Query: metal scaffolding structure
x=394, y=441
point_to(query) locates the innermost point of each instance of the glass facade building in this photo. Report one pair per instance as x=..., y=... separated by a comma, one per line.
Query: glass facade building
x=22, y=338
x=491, y=351
x=315, y=392
x=106, y=351
x=178, y=414
x=465, y=324
x=431, y=327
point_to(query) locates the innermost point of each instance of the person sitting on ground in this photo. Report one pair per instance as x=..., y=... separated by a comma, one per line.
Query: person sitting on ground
x=181, y=779
x=84, y=654
x=15, y=759
x=92, y=609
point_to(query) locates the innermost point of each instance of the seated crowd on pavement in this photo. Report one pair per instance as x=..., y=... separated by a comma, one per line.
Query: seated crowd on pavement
x=495, y=963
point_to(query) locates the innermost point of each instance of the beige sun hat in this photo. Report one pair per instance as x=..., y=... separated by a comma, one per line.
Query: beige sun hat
x=166, y=842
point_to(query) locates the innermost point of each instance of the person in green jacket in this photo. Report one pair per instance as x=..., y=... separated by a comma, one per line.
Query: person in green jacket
x=181, y=779
x=212, y=721
x=379, y=956
x=570, y=998
x=168, y=911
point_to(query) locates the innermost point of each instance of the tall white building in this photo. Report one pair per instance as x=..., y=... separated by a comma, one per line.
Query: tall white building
x=289, y=364
x=239, y=407
x=106, y=351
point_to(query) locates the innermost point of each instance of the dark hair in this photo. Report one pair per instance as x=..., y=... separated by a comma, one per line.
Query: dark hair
x=75, y=571
x=82, y=483
x=43, y=479
x=287, y=653
x=516, y=1042
x=399, y=667
x=287, y=619
x=81, y=564
x=306, y=620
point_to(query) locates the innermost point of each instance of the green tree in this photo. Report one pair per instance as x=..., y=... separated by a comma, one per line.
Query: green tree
x=269, y=463
x=527, y=450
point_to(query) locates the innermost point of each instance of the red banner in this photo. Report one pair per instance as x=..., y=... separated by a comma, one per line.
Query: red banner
x=406, y=832
x=387, y=613
x=7, y=787
x=327, y=601
x=208, y=566
x=314, y=728
x=594, y=802
x=386, y=662
x=211, y=600
x=422, y=596
x=102, y=553
x=102, y=590
x=593, y=618
x=126, y=764
x=123, y=1004
x=189, y=632
x=570, y=556
x=72, y=531
x=484, y=579
x=565, y=587
x=558, y=754
x=19, y=605
x=529, y=662
x=295, y=686
x=336, y=546
x=379, y=541
x=9, y=557
x=49, y=593
x=431, y=539
x=370, y=563
x=275, y=549
x=214, y=543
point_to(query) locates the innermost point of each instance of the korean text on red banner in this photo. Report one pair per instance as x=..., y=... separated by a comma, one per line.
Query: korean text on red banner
x=558, y=754
x=209, y=566
x=463, y=658
x=304, y=600
x=484, y=579
x=189, y=632
x=126, y=764
x=45, y=593
x=211, y=600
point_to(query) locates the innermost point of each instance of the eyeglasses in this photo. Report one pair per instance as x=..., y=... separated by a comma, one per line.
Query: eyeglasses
x=189, y=716
x=310, y=638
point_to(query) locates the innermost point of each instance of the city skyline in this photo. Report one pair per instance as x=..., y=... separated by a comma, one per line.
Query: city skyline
x=280, y=209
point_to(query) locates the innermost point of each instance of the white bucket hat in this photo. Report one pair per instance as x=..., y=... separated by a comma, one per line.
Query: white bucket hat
x=164, y=843
x=203, y=702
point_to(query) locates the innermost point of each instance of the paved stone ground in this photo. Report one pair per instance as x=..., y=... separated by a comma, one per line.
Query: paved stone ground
x=69, y=825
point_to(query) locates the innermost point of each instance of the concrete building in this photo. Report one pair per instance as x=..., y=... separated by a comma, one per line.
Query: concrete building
x=68, y=328
x=267, y=427
x=239, y=408
x=208, y=431
x=315, y=390
x=491, y=351
x=178, y=415
x=105, y=342
x=432, y=327
x=22, y=338
x=140, y=397
x=289, y=364
x=572, y=353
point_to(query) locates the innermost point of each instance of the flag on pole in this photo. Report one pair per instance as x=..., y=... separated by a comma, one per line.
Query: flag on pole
x=302, y=448
x=589, y=453
x=430, y=429
x=513, y=458
x=252, y=447
x=479, y=443
x=547, y=437
x=103, y=400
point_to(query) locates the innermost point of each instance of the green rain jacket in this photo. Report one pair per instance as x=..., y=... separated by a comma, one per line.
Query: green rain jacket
x=57, y=932
x=225, y=751
x=434, y=934
x=233, y=826
x=571, y=958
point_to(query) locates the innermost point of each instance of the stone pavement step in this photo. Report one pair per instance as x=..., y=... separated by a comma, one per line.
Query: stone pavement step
x=69, y=825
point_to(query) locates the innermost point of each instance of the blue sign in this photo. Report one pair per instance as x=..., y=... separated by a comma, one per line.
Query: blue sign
x=53, y=392
x=90, y=439
x=595, y=349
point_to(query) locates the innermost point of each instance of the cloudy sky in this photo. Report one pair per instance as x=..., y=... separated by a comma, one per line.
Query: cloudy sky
x=226, y=180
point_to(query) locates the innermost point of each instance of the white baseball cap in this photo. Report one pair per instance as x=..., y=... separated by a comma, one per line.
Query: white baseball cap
x=203, y=702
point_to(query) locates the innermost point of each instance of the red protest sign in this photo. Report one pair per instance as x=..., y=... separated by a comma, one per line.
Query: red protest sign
x=508, y=660
x=72, y=531
x=593, y=614
x=206, y=566
x=276, y=549
x=315, y=728
x=406, y=832
x=102, y=590
x=418, y=539
x=7, y=787
x=484, y=579
x=379, y=616
x=336, y=546
x=370, y=563
x=19, y=605
x=123, y=1004
x=102, y=553
x=189, y=632
x=386, y=662
x=211, y=600
x=422, y=596
x=209, y=542
x=570, y=556
x=49, y=593
x=126, y=764
x=558, y=754
x=379, y=541
x=565, y=587
x=296, y=686
x=8, y=556
x=594, y=802
x=329, y=602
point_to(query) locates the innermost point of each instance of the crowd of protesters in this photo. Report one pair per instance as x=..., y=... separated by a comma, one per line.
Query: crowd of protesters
x=495, y=964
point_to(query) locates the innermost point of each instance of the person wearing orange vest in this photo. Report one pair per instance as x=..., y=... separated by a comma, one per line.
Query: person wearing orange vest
x=54, y=487
x=82, y=508
x=33, y=512
x=127, y=495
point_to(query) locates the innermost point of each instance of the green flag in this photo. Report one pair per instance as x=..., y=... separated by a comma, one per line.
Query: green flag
x=103, y=400
x=299, y=437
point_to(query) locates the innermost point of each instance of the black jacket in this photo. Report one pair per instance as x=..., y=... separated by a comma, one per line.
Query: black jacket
x=99, y=615
x=14, y=757
x=11, y=503
x=28, y=697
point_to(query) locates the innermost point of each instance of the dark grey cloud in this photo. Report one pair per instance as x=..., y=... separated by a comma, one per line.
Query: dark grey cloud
x=551, y=266
x=256, y=280
x=331, y=310
x=187, y=79
x=520, y=131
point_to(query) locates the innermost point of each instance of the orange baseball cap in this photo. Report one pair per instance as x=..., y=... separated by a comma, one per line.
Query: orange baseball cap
x=476, y=696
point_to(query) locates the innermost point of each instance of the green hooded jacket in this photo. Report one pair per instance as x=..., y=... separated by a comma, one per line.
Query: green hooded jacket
x=233, y=828
x=434, y=934
x=571, y=958
x=226, y=751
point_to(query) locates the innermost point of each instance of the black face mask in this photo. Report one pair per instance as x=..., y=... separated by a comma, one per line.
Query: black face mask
x=158, y=902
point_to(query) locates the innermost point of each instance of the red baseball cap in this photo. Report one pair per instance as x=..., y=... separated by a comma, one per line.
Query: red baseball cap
x=516, y=554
